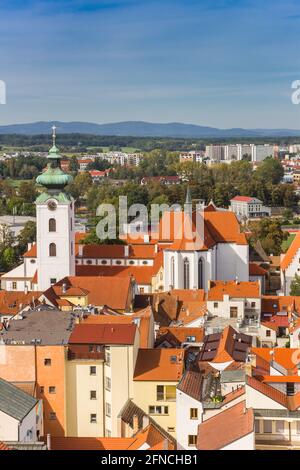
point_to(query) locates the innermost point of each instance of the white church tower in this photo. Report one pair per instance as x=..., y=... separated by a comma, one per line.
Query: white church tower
x=55, y=224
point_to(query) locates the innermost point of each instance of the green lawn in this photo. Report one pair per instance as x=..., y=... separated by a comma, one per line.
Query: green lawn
x=287, y=243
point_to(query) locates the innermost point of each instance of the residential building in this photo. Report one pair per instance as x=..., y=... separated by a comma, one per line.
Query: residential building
x=157, y=373
x=249, y=207
x=290, y=264
x=235, y=300
x=19, y=414
x=97, y=387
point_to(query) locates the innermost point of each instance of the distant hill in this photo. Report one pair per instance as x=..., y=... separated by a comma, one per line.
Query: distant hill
x=144, y=129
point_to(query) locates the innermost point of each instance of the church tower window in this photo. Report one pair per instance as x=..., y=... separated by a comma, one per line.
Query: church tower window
x=186, y=273
x=52, y=225
x=52, y=249
x=173, y=272
x=200, y=273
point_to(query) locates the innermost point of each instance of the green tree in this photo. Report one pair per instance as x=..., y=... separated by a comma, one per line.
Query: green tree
x=295, y=286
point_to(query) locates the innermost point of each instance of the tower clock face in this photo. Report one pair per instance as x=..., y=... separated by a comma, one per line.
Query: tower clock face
x=52, y=205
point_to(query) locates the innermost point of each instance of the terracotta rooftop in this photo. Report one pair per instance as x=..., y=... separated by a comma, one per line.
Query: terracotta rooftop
x=101, y=290
x=291, y=252
x=142, y=274
x=103, y=334
x=166, y=365
x=231, y=424
x=234, y=289
x=176, y=335
x=11, y=302
x=256, y=270
x=149, y=438
x=191, y=383
x=225, y=347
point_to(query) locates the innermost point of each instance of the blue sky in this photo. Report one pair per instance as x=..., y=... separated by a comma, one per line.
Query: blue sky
x=223, y=63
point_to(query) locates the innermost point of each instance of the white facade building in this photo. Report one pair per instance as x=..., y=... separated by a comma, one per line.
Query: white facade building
x=249, y=207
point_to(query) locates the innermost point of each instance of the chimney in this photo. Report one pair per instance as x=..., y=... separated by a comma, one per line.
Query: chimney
x=209, y=284
x=49, y=441
x=29, y=246
x=146, y=238
x=135, y=423
x=80, y=250
x=156, y=248
x=26, y=289
x=64, y=288
x=126, y=251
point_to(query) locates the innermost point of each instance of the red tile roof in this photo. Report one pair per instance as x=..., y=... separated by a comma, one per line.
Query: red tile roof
x=142, y=274
x=3, y=446
x=256, y=270
x=234, y=289
x=166, y=365
x=243, y=199
x=231, y=425
x=101, y=290
x=103, y=334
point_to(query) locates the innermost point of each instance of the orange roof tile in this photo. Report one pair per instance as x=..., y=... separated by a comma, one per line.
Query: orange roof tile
x=256, y=270
x=103, y=334
x=11, y=302
x=231, y=424
x=291, y=252
x=142, y=274
x=234, y=289
x=105, y=290
x=176, y=335
x=286, y=357
x=166, y=365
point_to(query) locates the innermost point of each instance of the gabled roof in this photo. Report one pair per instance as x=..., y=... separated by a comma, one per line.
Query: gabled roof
x=191, y=383
x=12, y=302
x=101, y=290
x=226, y=427
x=256, y=270
x=291, y=252
x=177, y=335
x=225, y=347
x=14, y=402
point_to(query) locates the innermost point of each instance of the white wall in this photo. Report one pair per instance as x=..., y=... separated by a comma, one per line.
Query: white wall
x=184, y=425
x=245, y=443
x=63, y=264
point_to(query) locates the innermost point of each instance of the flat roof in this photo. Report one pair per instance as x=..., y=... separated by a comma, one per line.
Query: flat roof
x=46, y=327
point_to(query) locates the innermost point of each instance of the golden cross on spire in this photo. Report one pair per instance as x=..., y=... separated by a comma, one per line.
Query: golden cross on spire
x=54, y=135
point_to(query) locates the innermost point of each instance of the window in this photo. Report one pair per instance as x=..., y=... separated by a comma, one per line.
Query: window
x=93, y=395
x=186, y=274
x=216, y=304
x=190, y=339
x=53, y=280
x=14, y=286
x=107, y=410
x=166, y=392
x=92, y=370
x=253, y=304
x=193, y=413
x=158, y=410
x=107, y=384
x=279, y=425
x=290, y=388
x=268, y=333
x=192, y=439
x=91, y=348
x=52, y=225
x=93, y=418
x=52, y=389
x=42, y=389
x=52, y=416
x=267, y=427
x=47, y=362
x=172, y=272
x=52, y=249
x=200, y=273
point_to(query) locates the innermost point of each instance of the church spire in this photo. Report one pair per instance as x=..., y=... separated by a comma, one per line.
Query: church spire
x=54, y=179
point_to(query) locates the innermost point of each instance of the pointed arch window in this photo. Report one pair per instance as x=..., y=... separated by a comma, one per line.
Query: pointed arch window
x=52, y=225
x=186, y=273
x=173, y=272
x=52, y=249
x=200, y=273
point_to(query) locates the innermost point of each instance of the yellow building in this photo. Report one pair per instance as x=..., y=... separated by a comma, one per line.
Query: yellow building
x=101, y=362
x=156, y=376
